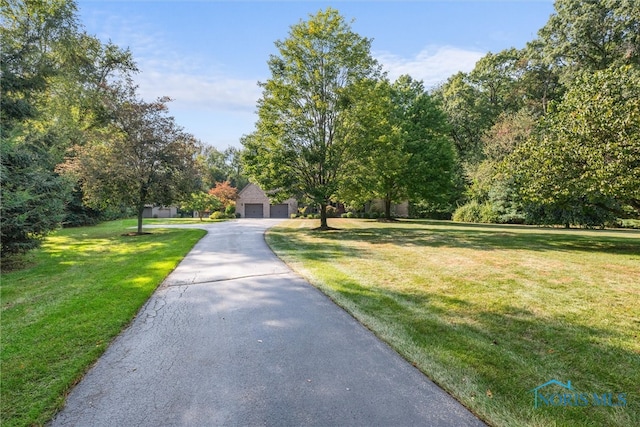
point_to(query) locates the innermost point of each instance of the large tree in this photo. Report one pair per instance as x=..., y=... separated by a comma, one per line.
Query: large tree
x=588, y=147
x=591, y=35
x=220, y=166
x=52, y=74
x=143, y=158
x=469, y=115
x=408, y=152
x=299, y=145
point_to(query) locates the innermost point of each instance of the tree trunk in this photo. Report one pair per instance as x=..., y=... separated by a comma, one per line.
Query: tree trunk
x=387, y=208
x=140, y=212
x=323, y=217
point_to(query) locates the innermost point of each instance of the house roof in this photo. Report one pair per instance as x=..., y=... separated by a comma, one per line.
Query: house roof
x=249, y=185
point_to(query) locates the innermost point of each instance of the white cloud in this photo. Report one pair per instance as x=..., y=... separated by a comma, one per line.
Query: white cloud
x=433, y=65
x=197, y=91
x=194, y=86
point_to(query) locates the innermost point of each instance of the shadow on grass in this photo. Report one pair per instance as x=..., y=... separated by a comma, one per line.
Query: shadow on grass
x=509, y=352
x=484, y=237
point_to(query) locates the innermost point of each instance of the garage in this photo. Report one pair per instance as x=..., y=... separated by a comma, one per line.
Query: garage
x=279, y=211
x=253, y=210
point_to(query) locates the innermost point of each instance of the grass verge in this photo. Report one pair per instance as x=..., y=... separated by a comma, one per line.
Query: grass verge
x=61, y=312
x=491, y=312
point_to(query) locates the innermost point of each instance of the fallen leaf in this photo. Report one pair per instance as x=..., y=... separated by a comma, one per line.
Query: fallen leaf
x=489, y=394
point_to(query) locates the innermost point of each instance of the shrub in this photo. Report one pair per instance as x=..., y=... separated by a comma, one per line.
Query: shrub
x=294, y=216
x=218, y=215
x=350, y=215
x=430, y=210
x=469, y=212
x=475, y=212
x=488, y=213
x=230, y=210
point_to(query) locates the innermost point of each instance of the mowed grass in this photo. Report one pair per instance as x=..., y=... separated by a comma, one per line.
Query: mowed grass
x=490, y=312
x=61, y=312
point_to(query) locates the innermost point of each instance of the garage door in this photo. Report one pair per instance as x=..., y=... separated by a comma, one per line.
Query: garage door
x=253, y=210
x=279, y=211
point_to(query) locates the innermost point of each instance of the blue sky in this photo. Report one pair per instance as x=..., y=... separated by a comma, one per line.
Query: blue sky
x=208, y=55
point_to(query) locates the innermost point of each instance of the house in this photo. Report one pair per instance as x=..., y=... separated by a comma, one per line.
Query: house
x=160, y=211
x=252, y=202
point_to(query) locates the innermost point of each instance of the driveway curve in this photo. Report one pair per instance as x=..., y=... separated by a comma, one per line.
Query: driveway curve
x=234, y=338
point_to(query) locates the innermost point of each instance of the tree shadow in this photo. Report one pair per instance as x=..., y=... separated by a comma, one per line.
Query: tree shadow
x=470, y=342
x=486, y=237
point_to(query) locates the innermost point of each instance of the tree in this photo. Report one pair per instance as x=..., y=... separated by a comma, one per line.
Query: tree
x=588, y=146
x=143, y=158
x=591, y=35
x=491, y=184
x=496, y=75
x=50, y=72
x=299, y=145
x=468, y=114
x=33, y=199
x=375, y=160
x=220, y=166
x=201, y=202
x=33, y=196
x=409, y=151
x=224, y=192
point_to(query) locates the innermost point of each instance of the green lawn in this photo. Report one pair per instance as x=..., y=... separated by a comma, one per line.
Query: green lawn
x=61, y=312
x=490, y=312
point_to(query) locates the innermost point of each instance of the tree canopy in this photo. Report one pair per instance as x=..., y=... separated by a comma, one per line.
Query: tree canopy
x=142, y=158
x=588, y=145
x=66, y=94
x=300, y=143
x=403, y=150
x=548, y=134
x=52, y=78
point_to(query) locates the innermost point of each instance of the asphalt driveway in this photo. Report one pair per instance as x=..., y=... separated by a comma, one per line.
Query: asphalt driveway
x=234, y=338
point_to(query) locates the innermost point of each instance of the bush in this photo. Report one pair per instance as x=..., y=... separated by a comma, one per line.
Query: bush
x=218, y=215
x=293, y=216
x=475, y=212
x=488, y=214
x=230, y=210
x=351, y=215
x=467, y=213
x=430, y=210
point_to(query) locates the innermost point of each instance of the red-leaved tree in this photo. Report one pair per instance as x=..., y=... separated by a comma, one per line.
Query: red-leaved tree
x=225, y=193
